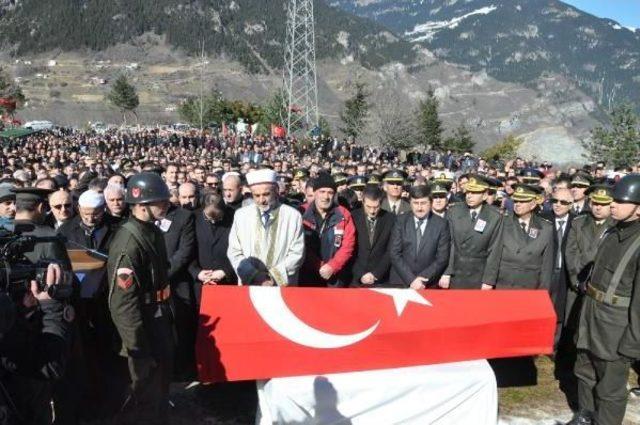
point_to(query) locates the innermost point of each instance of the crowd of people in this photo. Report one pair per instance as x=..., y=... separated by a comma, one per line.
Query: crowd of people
x=176, y=212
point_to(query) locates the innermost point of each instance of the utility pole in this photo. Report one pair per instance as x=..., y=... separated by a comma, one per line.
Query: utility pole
x=299, y=79
x=202, y=63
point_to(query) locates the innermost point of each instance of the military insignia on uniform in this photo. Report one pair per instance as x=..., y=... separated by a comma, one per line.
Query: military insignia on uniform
x=520, y=190
x=135, y=192
x=124, y=278
x=68, y=314
x=533, y=233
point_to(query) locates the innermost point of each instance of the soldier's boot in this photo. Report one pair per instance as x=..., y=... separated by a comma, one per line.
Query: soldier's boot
x=582, y=417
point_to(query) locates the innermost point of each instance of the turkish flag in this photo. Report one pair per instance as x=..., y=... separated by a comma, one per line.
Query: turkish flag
x=253, y=332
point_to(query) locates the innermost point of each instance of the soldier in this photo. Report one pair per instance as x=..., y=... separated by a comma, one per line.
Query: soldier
x=357, y=184
x=440, y=198
x=393, y=202
x=579, y=185
x=522, y=259
x=584, y=235
x=609, y=324
x=474, y=229
x=139, y=300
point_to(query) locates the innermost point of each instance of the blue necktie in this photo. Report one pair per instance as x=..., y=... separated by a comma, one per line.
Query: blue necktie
x=265, y=219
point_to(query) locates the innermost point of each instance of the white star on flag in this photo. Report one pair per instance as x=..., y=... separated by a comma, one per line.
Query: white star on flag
x=401, y=297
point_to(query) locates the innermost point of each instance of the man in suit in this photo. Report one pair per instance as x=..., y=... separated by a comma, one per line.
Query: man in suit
x=420, y=244
x=178, y=229
x=393, y=202
x=474, y=228
x=212, y=223
x=373, y=230
x=561, y=201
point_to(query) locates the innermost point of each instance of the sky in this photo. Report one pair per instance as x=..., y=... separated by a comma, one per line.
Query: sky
x=627, y=12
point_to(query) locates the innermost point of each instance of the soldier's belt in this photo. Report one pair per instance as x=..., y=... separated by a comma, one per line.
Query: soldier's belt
x=158, y=296
x=601, y=297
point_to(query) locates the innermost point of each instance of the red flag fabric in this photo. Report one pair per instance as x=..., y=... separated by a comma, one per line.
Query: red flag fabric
x=252, y=332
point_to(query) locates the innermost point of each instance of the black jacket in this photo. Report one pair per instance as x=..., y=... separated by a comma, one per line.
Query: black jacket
x=180, y=242
x=213, y=241
x=429, y=260
x=372, y=258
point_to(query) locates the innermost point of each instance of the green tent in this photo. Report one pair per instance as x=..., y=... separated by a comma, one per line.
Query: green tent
x=16, y=133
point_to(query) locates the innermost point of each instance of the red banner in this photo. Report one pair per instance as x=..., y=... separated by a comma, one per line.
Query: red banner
x=251, y=332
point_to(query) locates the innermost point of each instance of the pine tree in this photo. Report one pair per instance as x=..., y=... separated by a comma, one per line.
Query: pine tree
x=619, y=144
x=325, y=127
x=461, y=140
x=429, y=121
x=123, y=95
x=356, y=110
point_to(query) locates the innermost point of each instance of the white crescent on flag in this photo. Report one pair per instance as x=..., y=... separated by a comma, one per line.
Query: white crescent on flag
x=270, y=305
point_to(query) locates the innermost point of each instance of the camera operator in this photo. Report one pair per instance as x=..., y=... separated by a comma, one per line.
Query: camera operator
x=34, y=344
x=29, y=218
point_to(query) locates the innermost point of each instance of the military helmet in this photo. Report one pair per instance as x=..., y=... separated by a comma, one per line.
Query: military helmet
x=146, y=187
x=627, y=189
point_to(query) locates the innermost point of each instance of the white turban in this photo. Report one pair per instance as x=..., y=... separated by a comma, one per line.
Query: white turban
x=230, y=174
x=91, y=199
x=261, y=176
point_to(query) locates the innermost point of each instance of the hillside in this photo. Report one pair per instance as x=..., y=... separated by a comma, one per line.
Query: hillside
x=519, y=40
x=248, y=31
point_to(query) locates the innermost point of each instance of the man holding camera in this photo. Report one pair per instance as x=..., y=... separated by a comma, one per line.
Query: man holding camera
x=139, y=295
x=35, y=334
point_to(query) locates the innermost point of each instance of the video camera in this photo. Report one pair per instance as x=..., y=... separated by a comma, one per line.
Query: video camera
x=17, y=272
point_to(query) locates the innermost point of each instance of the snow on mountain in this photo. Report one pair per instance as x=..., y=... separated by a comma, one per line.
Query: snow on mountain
x=427, y=30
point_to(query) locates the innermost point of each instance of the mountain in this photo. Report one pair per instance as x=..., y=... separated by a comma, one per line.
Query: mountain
x=249, y=31
x=519, y=40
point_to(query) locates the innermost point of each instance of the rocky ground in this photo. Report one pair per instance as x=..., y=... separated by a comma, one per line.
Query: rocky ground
x=234, y=404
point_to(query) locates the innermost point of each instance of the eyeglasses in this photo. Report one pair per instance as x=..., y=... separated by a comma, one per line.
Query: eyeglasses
x=61, y=206
x=559, y=201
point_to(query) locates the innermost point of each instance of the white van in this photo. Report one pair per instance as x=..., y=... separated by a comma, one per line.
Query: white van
x=39, y=125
